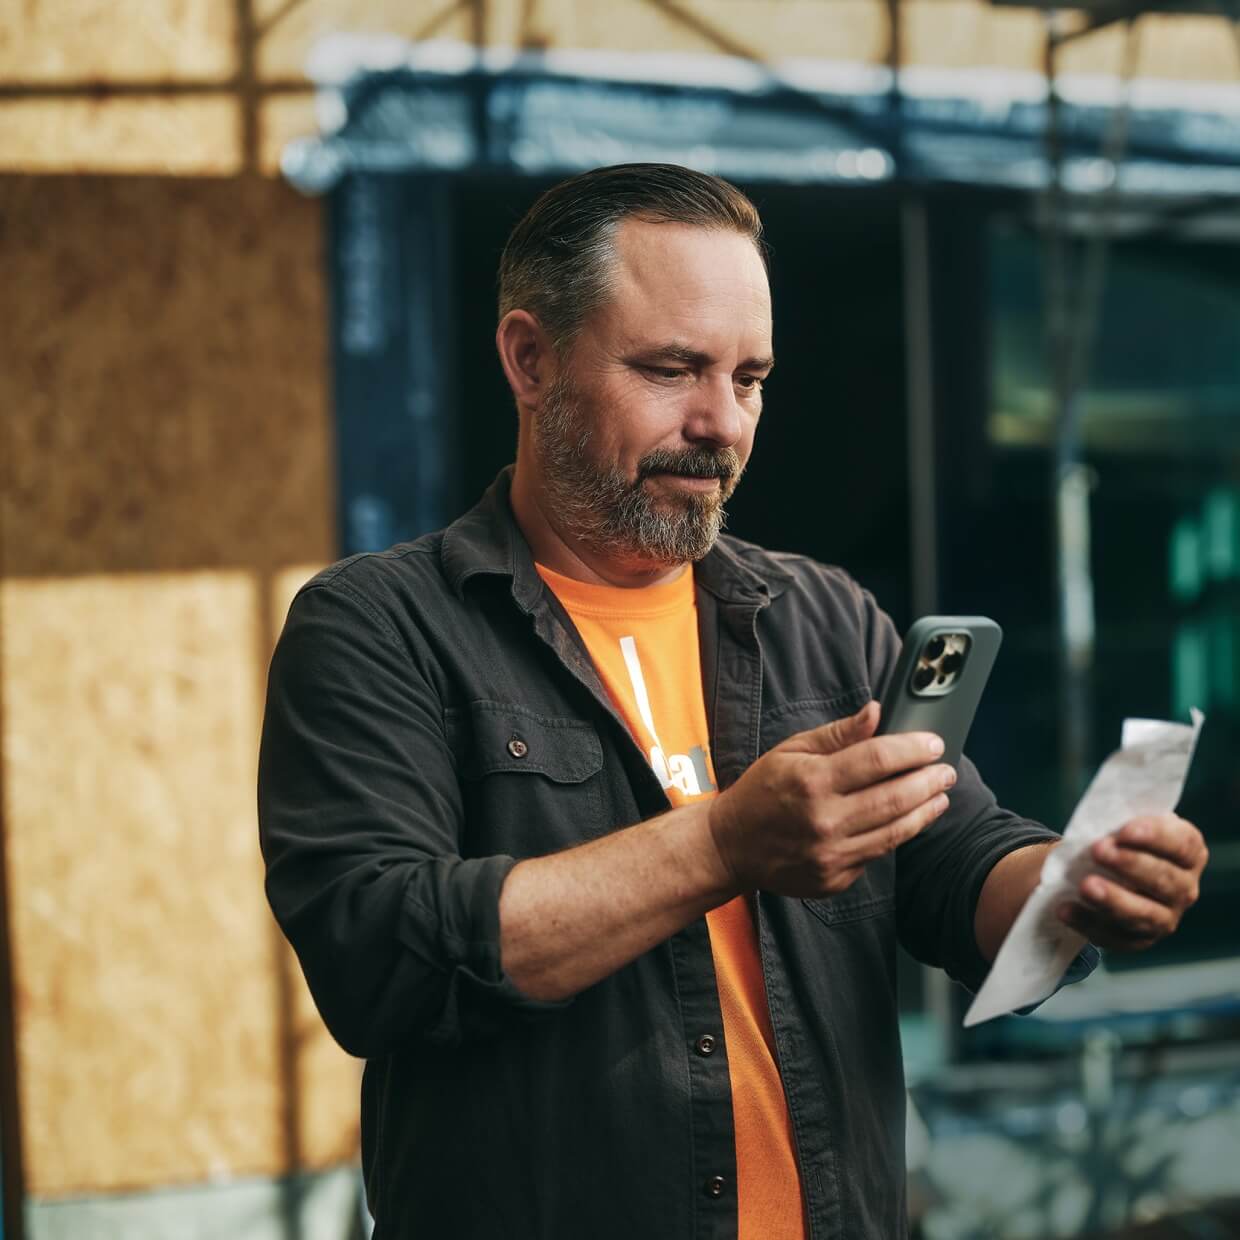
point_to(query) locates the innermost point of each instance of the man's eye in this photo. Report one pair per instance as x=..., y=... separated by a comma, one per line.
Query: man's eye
x=751, y=383
x=665, y=372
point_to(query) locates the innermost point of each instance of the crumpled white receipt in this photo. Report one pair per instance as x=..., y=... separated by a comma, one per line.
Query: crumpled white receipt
x=1146, y=775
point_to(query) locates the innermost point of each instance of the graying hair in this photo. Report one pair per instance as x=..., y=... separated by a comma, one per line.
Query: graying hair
x=560, y=257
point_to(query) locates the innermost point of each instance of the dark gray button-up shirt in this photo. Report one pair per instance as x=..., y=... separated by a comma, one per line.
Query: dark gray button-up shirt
x=432, y=717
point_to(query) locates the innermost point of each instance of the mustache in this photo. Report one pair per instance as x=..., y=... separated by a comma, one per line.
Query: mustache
x=722, y=463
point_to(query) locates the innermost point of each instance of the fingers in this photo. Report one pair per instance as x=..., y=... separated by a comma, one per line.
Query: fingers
x=1118, y=918
x=886, y=838
x=836, y=735
x=1148, y=873
x=872, y=761
x=876, y=806
x=1168, y=836
x=1155, y=864
x=1101, y=931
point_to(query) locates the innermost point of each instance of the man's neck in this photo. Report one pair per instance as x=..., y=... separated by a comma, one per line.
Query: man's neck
x=560, y=552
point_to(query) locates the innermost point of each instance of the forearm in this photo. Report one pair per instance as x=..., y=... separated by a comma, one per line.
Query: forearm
x=573, y=918
x=1008, y=885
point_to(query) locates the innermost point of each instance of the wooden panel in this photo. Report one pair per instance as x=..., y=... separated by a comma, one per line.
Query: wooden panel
x=164, y=1032
x=854, y=30
x=84, y=41
x=290, y=31
x=168, y=400
x=282, y=118
x=148, y=1039
x=958, y=34
x=178, y=136
x=167, y=459
x=1188, y=49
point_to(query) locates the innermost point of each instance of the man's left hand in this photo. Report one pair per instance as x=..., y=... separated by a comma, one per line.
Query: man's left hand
x=1153, y=869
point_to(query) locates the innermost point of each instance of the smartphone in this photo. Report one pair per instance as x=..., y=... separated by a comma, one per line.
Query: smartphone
x=939, y=678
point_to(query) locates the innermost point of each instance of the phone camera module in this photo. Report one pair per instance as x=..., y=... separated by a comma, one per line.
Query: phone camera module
x=939, y=664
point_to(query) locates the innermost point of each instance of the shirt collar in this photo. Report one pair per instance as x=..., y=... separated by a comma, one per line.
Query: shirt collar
x=487, y=540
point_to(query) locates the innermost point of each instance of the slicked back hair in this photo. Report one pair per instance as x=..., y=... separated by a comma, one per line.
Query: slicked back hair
x=560, y=257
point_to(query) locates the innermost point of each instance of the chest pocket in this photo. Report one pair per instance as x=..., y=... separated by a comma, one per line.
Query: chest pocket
x=788, y=719
x=873, y=894
x=531, y=783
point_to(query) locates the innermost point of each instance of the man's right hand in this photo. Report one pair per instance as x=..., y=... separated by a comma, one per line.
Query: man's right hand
x=805, y=818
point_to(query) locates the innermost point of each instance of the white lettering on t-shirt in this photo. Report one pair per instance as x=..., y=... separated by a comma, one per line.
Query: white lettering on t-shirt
x=678, y=770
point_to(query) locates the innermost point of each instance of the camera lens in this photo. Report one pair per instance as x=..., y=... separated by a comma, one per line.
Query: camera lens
x=923, y=678
x=934, y=648
x=951, y=664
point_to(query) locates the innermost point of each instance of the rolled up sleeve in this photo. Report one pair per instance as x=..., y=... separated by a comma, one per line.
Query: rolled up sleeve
x=360, y=823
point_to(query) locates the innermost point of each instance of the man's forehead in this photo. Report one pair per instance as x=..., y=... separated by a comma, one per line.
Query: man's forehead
x=678, y=285
x=667, y=252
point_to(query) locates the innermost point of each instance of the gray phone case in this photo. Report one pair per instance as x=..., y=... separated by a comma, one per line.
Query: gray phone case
x=950, y=713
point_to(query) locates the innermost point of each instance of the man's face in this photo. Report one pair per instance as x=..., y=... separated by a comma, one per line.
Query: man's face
x=649, y=422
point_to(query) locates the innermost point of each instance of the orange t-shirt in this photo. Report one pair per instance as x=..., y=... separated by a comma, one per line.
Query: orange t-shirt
x=644, y=643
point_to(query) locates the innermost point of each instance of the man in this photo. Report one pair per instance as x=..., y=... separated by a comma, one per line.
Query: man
x=574, y=812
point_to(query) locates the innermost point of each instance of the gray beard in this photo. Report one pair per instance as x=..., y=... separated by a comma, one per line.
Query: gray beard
x=600, y=507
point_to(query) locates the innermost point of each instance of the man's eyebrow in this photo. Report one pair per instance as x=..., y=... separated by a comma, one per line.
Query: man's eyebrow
x=695, y=357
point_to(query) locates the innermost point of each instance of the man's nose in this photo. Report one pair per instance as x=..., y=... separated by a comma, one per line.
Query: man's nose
x=715, y=416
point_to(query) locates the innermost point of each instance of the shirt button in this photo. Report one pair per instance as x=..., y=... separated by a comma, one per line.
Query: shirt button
x=714, y=1186
x=705, y=1045
x=517, y=747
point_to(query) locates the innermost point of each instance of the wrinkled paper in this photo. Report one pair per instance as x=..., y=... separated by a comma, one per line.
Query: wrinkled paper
x=1144, y=776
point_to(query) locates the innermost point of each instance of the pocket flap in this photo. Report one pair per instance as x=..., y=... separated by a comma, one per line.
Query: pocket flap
x=504, y=737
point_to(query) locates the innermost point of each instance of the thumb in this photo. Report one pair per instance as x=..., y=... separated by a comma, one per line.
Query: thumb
x=838, y=734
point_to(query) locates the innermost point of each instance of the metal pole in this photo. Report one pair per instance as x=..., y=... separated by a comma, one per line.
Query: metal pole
x=1069, y=477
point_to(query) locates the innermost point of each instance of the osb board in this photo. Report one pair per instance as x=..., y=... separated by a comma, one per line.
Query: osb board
x=164, y=1032
x=974, y=34
x=197, y=135
x=281, y=118
x=86, y=41
x=947, y=33
x=148, y=1034
x=167, y=458
x=289, y=31
x=166, y=381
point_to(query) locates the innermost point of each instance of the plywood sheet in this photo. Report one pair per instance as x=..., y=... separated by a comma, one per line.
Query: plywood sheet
x=148, y=1035
x=164, y=1032
x=87, y=41
x=197, y=135
x=282, y=118
x=167, y=399
x=940, y=33
x=1188, y=48
x=289, y=31
x=167, y=459
x=853, y=30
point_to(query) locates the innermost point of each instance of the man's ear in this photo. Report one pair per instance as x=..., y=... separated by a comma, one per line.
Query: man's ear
x=526, y=355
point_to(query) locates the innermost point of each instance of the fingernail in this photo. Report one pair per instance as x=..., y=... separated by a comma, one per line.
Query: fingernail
x=935, y=745
x=949, y=777
x=940, y=803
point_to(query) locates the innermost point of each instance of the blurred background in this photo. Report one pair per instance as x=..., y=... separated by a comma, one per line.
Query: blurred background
x=247, y=262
